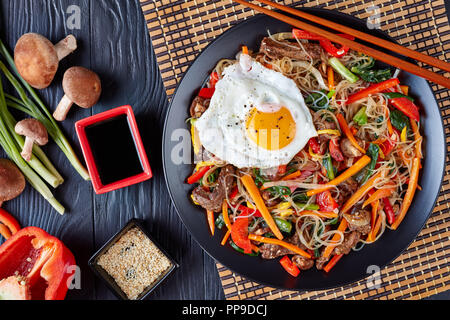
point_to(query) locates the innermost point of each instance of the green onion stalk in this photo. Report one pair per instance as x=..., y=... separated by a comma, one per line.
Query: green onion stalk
x=11, y=147
x=41, y=113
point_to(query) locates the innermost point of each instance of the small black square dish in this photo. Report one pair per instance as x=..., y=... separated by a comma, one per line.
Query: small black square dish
x=132, y=264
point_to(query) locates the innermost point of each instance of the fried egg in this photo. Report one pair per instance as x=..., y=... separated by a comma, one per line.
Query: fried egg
x=257, y=118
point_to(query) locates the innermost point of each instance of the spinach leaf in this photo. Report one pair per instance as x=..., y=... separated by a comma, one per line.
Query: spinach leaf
x=399, y=120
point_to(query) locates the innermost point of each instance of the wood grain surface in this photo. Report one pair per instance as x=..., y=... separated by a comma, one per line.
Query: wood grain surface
x=114, y=42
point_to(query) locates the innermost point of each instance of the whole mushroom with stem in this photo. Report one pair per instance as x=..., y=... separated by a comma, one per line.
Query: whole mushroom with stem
x=34, y=132
x=82, y=87
x=12, y=181
x=37, y=59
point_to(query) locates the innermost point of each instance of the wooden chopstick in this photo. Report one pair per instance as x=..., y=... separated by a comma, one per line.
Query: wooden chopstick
x=376, y=54
x=363, y=36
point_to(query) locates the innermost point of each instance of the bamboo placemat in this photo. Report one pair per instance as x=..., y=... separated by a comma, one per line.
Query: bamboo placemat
x=180, y=29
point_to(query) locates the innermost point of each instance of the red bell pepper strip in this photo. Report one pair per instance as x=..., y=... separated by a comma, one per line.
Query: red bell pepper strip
x=390, y=215
x=206, y=93
x=9, y=224
x=289, y=266
x=407, y=107
x=335, y=151
x=315, y=146
x=332, y=263
x=213, y=79
x=239, y=234
x=198, y=175
x=324, y=42
x=42, y=261
x=326, y=202
x=282, y=170
x=373, y=89
x=246, y=211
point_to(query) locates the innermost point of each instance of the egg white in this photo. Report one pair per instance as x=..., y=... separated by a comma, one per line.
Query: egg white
x=222, y=128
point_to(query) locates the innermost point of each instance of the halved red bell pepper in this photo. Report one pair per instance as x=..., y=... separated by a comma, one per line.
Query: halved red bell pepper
x=8, y=225
x=41, y=262
x=289, y=266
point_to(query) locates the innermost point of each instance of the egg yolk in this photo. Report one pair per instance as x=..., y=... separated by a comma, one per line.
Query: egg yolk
x=271, y=131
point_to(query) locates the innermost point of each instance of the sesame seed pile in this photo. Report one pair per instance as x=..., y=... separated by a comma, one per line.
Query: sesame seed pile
x=135, y=263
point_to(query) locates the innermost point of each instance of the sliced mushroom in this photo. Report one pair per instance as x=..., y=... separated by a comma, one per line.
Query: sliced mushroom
x=82, y=87
x=12, y=181
x=34, y=132
x=37, y=59
x=359, y=220
x=349, y=150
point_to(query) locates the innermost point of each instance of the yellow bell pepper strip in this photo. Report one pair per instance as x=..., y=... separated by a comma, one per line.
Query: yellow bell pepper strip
x=378, y=195
x=404, y=134
x=373, y=89
x=195, y=138
x=361, y=192
x=329, y=131
x=260, y=205
x=350, y=172
x=346, y=130
x=332, y=263
x=211, y=221
x=280, y=243
x=329, y=249
x=412, y=187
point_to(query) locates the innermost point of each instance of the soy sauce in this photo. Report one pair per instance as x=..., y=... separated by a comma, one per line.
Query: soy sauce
x=114, y=150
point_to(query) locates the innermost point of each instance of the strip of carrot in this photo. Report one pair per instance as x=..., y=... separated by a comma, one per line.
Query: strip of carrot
x=350, y=172
x=412, y=187
x=332, y=263
x=280, y=243
x=373, y=233
x=245, y=50
x=378, y=195
x=331, y=85
x=225, y=239
x=329, y=249
x=417, y=137
x=320, y=214
x=361, y=192
x=254, y=193
x=226, y=218
x=211, y=222
x=346, y=130
x=292, y=176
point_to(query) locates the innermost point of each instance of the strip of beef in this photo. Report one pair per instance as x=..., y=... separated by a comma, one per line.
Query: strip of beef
x=303, y=263
x=272, y=251
x=350, y=241
x=212, y=200
x=199, y=106
x=279, y=49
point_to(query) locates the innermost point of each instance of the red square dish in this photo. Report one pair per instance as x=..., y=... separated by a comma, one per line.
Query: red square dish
x=108, y=148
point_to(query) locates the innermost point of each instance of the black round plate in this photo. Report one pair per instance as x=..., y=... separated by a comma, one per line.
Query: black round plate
x=356, y=265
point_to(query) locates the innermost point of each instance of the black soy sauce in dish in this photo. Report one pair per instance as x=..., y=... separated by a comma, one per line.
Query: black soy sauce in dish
x=114, y=150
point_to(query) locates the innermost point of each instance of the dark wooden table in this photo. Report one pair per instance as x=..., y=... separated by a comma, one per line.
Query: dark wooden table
x=113, y=41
